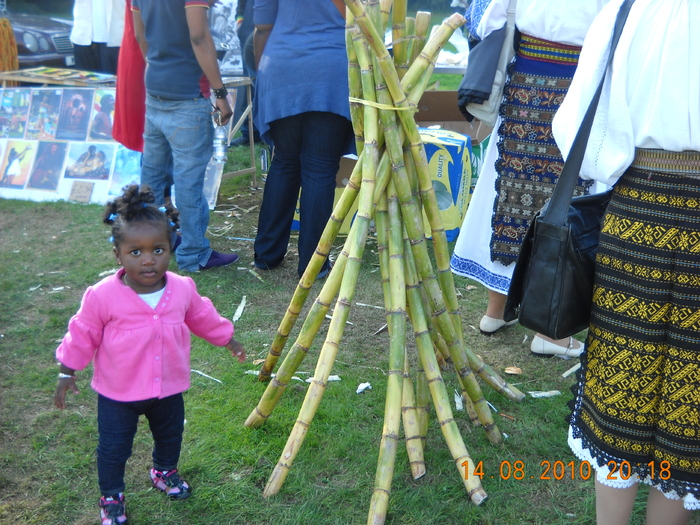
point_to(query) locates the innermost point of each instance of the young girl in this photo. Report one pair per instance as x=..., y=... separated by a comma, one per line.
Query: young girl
x=135, y=327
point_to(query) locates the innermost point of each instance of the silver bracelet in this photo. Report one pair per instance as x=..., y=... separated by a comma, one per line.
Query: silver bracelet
x=61, y=375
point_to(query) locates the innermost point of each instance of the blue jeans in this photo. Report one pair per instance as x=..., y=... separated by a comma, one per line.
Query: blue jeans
x=307, y=154
x=181, y=129
x=117, y=422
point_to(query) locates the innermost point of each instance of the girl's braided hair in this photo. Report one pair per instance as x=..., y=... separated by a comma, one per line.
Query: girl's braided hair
x=137, y=204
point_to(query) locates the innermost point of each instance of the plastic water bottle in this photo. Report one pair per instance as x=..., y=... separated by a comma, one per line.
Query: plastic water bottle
x=220, y=145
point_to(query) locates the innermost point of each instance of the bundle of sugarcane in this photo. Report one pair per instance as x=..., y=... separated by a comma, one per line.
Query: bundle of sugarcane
x=393, y=185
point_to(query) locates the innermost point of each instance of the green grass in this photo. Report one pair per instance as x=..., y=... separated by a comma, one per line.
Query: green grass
x=50, y=252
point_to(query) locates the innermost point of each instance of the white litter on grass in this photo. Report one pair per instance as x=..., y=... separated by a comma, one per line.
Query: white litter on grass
x=329, y=317
x=34, y=288
x=571, y=370
x=330, y=378
x=492, y=407
x=362, y=387
x=540, y=393
x=459, y=404
x=205, y=375
x=107, y=272
x=370, y=306
x=239, y=310
x=257, y=372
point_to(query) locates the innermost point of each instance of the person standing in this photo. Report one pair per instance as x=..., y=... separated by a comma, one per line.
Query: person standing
x=301, y=105
x=97, y=31
x=175, y=40
x=522, y=162
x=635, y=414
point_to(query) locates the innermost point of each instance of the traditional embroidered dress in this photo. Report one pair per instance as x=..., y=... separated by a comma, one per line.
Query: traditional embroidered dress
x=636, y=414
x=522, y=162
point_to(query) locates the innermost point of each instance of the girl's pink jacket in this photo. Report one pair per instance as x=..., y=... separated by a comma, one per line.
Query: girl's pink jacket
x=139, y=352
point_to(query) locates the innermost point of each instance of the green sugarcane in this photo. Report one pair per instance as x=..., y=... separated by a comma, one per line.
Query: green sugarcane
x=438, y=391
x=301, y=293
x=411, y=428
x=397, y=348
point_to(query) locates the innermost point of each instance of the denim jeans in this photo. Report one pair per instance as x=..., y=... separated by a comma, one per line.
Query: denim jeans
x=307, y=154
x=117, y=422
x=181, y=129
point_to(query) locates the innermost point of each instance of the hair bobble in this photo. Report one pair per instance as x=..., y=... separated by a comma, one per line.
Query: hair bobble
x=172, y=224
x=145, y=205
x=162, y=209
x=113, y=217
x=111, y=240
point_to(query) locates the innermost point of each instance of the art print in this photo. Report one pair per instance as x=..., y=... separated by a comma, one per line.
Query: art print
x=74, y=117
x=14, y=111
x=127, y=170
x=43, y=114
x=48, y=166
x=89, y=161
x=16, y=163
x=102, y=115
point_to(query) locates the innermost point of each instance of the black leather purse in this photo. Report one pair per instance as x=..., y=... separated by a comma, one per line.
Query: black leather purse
x=552, y=286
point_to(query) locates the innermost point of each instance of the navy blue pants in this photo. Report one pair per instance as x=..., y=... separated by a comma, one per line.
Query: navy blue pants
x=117, y=422
x=308, y=147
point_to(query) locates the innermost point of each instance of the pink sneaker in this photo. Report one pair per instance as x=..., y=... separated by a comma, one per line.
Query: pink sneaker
x=113, y=510
x=170, y=482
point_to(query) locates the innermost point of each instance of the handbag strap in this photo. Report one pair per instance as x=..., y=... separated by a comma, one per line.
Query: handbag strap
x=558, y=207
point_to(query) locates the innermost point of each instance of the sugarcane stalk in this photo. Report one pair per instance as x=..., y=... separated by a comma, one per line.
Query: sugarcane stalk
x=312, y=323
x=330, y=232
x=438, y=391
x=422, y=26
x=385, y=7
x=397, y=348
x=410, y=30
x=411, y=428
x=354, y=81
x=464, y=373
x=422, y=403
x=471, y=411
x=398, y=36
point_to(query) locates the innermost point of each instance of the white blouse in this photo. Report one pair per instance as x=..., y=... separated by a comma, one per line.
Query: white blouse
x=563, y=21
x=651, y=98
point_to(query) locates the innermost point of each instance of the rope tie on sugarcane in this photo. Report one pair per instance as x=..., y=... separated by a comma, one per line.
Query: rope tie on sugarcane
x=411, y=107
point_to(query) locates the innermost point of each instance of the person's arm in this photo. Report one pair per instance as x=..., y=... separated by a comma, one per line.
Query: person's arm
x=140, y=32
x=260, y=36
x=340, y=5
x=204, y=50
x=236, y=350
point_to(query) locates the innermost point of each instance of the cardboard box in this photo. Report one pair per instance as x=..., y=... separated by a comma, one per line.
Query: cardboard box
x=454, y=153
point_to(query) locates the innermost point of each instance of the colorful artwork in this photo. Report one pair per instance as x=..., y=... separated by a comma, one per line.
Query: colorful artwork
x=127, y=170
x=43, y=114
x=89, y=161
x=16, y=163
x=102, y=115
x=48, y=166
x=75, y=114
x=14, y=112
x=57, y=74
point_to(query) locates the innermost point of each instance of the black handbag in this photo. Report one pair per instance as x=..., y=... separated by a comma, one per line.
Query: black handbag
x=552, y=286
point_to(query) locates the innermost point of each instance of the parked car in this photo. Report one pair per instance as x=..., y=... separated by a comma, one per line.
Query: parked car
x=41, y=41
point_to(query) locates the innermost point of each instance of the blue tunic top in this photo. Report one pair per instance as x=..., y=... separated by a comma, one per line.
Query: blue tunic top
x=304, y=66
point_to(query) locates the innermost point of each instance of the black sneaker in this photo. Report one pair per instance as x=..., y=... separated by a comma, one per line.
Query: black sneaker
x=113, y=510
x=170, y=482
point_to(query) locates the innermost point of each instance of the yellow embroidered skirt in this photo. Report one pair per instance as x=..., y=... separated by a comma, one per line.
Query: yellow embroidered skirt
x=636, y=412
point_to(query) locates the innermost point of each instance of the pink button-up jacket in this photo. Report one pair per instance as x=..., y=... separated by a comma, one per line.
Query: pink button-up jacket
x=139, y=352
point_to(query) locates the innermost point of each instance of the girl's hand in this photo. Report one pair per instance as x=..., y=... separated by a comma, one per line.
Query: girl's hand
x=59, y=396
x=236, y=350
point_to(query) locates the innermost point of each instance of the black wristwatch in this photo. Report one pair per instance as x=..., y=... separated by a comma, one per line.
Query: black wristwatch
x=221, y=92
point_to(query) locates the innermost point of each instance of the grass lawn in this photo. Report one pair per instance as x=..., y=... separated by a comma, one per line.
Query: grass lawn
x=50, y=252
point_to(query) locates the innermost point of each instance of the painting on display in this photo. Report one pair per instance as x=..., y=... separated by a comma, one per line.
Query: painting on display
x=14, y=111
x=16, y=163
x=127, y=170
x=89, y=161
x=43, y=114
x=74, y=117
x=48, y=166
x=102, y=115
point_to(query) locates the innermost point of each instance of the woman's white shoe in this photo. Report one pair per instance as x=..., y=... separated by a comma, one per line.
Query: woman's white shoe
x=489, y=325
x=543, y=348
